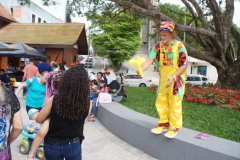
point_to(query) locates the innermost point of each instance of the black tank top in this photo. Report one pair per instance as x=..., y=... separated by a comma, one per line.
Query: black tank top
x=60, y=128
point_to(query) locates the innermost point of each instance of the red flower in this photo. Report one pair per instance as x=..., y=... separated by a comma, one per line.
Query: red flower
x=236, y=107
x=232, y=100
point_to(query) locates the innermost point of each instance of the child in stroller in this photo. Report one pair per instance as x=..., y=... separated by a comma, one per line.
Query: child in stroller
x=29, y=132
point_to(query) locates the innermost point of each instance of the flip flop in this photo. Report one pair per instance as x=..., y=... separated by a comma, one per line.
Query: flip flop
x=90, y=119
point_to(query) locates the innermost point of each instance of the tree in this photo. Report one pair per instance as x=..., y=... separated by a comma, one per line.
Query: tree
x=211, y=27
x=67, y=13
x=117, y=39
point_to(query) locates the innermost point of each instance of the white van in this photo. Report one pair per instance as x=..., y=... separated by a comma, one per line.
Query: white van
x=197, y=79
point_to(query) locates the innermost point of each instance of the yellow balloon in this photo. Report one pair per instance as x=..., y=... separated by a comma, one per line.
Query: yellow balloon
x=138, y=62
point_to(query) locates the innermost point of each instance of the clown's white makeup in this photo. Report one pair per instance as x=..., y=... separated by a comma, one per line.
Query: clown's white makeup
x=166, y=37
x=164, y=41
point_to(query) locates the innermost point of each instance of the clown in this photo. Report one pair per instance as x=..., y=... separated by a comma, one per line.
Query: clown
x=170, y=56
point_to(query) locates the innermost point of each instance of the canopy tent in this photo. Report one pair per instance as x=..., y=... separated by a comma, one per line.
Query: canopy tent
x=22, y=51
x=6, y=47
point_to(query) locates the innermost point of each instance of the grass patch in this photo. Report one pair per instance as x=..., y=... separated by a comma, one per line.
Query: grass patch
x=214, y=120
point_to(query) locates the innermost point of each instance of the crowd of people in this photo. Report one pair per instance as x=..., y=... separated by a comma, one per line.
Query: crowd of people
x=68, y=102
x=51, y=97
x=33, y=69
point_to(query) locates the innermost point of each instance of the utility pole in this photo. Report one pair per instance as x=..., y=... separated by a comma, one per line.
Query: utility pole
x=88, y=42
x=184, y=34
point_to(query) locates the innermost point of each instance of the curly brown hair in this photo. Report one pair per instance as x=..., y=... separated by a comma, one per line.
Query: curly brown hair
x=72, y=100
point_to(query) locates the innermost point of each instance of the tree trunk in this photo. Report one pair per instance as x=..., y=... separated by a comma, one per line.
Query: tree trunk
x=214, y=37
x=233, y=74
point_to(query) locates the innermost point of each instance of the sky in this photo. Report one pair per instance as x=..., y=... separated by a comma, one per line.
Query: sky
x=59, y=11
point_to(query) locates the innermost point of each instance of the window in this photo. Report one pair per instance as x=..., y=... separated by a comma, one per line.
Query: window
x=33, y=18
x=193, y=78
x=74, y=58
x=196, y=79
x=204, y=79
x=202, y=70
x=127, y=77
x=12, y=11
x=44, y=22
x=39, y=20
x=132, y=77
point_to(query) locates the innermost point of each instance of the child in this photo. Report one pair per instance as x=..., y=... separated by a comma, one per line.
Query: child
x=32, y=127
x=93, y=95
x=103, y=85
x=51, y=85
x=93, y=89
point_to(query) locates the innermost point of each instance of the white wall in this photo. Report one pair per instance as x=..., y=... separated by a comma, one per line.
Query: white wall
x=27, y=12
x=211, y=70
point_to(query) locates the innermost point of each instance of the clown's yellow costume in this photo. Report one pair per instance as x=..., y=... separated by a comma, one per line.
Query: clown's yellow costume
x=169, y=59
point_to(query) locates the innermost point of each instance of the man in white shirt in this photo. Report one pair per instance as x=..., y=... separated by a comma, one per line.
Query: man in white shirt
x=65, y=65
x=118, y=78
x=109, y=77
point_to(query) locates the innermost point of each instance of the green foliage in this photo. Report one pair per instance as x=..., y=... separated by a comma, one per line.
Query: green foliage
x=178, y=14
x=213, y=120
x=117, y=39
x=67, y=13
x=45, y=2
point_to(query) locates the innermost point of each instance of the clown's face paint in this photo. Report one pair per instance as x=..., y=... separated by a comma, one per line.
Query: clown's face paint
x=166, y=37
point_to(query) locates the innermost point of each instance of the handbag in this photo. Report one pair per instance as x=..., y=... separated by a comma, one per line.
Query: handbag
x=104, y=98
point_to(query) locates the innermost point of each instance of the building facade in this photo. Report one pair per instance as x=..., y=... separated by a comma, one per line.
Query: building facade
x=29, y=14
x=60, y=41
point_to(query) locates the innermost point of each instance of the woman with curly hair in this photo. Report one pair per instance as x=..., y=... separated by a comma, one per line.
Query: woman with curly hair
x=52, y=80
x=68, y=109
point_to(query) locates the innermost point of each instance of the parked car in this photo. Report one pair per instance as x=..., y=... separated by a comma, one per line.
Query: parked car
x=80, y=57
x=92, y=75
x=90, y=59
x=197, y=79
x=88, y=64
x=134, y=80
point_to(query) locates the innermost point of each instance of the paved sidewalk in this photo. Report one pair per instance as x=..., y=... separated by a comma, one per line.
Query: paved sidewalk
x=99, y=143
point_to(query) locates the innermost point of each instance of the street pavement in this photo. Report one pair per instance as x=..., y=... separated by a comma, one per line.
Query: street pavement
x=99, y=143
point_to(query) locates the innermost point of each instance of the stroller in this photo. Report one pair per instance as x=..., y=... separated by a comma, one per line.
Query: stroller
x=24, y=147
x=117, y=91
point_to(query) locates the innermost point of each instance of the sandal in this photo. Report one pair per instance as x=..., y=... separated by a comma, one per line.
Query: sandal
x=92, y=116
x=90, y=119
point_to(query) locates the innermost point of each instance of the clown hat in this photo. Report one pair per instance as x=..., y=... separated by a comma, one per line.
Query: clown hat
x=166, y=26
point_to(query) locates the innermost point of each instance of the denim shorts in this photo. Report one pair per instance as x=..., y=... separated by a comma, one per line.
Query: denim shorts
x=93, y=96
x=69, y=151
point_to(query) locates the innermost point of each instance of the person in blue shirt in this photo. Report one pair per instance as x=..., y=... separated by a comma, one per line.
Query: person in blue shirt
x=4, y=78
x=105, y=78
x=36, y=91
x=43, y=66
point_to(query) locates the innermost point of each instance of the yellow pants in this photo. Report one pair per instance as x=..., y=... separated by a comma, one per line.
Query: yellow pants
x=169, y=106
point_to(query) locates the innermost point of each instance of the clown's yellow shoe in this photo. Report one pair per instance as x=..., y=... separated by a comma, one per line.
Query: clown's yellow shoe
x=159, y=130
x=171, y=133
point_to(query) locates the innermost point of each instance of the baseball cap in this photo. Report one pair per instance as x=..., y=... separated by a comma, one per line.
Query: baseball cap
x=32, y=111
